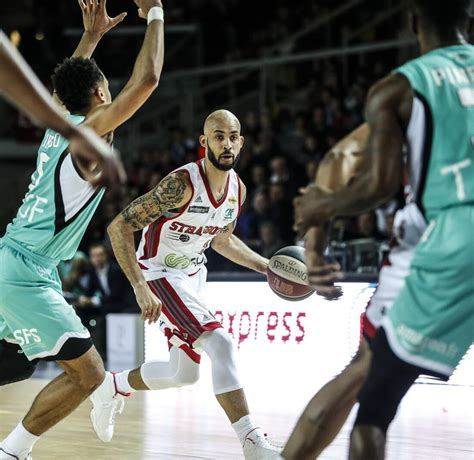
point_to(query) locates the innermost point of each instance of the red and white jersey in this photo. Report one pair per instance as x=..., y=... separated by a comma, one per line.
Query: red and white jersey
x=177, y=241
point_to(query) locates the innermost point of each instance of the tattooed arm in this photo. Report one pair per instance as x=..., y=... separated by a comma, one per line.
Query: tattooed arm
x=234, y=249
x=174, y=191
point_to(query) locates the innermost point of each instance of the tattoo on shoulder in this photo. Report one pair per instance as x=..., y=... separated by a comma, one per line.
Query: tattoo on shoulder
x=149, y=207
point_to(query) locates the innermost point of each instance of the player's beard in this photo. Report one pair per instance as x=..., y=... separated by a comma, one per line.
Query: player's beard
x=215, y=160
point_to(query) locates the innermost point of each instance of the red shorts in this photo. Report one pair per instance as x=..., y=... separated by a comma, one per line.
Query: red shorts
x=184, y=316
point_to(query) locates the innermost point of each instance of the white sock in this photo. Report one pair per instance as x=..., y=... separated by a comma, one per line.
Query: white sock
x=123, y=385
x=243, y=427
x=19, y=442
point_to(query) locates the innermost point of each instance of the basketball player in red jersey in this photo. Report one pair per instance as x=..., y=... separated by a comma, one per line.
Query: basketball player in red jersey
x=194, y=207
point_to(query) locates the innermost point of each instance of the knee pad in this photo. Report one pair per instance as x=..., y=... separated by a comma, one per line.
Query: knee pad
x=388, y=381
x=219, y=346
x=14, y=365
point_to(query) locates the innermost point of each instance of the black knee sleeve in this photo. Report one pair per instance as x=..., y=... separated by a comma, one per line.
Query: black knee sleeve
x=14, y=365
x=387, y=383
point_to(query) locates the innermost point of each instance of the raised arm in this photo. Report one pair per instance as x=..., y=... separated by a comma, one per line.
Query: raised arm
x=145, y=76
x=234, y=249
x=173, y=192
x=96, y=22
x=20, y=86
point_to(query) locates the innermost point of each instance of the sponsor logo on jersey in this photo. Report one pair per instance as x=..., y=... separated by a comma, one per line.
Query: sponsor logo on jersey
x=229, y=214
x=175, y=261
x=232, y=200
x=198, y=200
x=192, y=230
x=184, y=238
x=199, y=209
x=182, y=262
x=26, y=336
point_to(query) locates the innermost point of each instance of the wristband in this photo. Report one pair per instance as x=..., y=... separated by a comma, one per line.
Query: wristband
x=155, y=13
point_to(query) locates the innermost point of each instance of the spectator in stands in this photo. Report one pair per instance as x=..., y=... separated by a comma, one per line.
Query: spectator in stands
x=106, y=285
x=257, y=214
x=281, y=210
x=270, y=240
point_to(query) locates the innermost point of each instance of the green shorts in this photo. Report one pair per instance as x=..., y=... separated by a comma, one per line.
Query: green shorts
x=431, y=324
x=33, y=311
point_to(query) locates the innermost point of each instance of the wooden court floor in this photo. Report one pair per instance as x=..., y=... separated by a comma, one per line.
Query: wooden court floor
x=435, y=422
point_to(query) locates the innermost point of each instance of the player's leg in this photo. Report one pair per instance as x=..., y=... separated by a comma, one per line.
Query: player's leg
x=36, y=317
x=326, y=413
x=179, y=371
x=388, y=381
x=219, y=346
x=58, y=399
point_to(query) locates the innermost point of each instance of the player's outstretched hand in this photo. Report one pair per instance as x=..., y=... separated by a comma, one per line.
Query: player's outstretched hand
x=144, y=6
x=95, y=17
x=86, y=145
x=310, y=209
x=149, y=304
x=321, y=275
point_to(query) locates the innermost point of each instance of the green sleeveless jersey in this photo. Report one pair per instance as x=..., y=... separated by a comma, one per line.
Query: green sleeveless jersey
x=59, y=203
x=440, y=133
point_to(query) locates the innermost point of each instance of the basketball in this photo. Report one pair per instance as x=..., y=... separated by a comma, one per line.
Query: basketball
x=287, y=274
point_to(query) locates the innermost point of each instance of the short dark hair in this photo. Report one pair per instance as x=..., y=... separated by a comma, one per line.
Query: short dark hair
x=443, y=15
x=75, y=80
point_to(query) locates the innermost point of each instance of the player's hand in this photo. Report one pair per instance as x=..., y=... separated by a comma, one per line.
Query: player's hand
x=86, y=145
x=144, y=6
x=311, y=208
x=149, y=304
x=95, y=18
x=321, y=275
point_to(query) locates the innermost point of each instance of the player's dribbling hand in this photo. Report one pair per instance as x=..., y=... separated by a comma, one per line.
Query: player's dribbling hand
x=95, y=18
x=149, y=304
x=321, y=275
x=144, y=6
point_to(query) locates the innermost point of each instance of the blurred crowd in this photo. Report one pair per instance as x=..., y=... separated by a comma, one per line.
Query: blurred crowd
x=284, y=143
x=282, y=151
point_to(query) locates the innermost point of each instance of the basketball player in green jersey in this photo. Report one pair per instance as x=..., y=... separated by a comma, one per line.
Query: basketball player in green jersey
x=428, y=105
x=20, y=86
x=35, y=320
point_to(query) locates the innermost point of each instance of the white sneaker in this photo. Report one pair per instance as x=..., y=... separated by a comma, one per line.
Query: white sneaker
x=107, y=401
x=5, y=455
x=257, y=447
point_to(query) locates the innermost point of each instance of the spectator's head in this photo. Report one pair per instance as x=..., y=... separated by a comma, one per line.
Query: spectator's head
x=279, y=166
x=98, y=255
x=277, y=192
x=268, y=233
x=367, y=224
x=221, y=139
x=259, y=175
x=80, y=85
x=260, y=202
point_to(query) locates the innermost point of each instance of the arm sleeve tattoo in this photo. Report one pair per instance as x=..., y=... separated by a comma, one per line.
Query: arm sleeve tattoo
x=168, y=194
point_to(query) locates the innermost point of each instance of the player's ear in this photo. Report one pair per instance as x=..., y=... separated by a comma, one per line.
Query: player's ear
x=99, y=92
x=203, y=140
x=242, y=140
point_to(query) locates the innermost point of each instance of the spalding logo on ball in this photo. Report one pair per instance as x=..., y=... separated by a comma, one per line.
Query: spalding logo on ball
x=287, y=274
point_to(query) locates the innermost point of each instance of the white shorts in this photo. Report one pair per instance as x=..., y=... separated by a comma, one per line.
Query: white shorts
x=184, y=316
x=408, y=227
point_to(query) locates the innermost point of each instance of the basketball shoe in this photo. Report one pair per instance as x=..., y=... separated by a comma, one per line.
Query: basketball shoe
x=4, y=455
x=107, y=402
x=257, y=447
